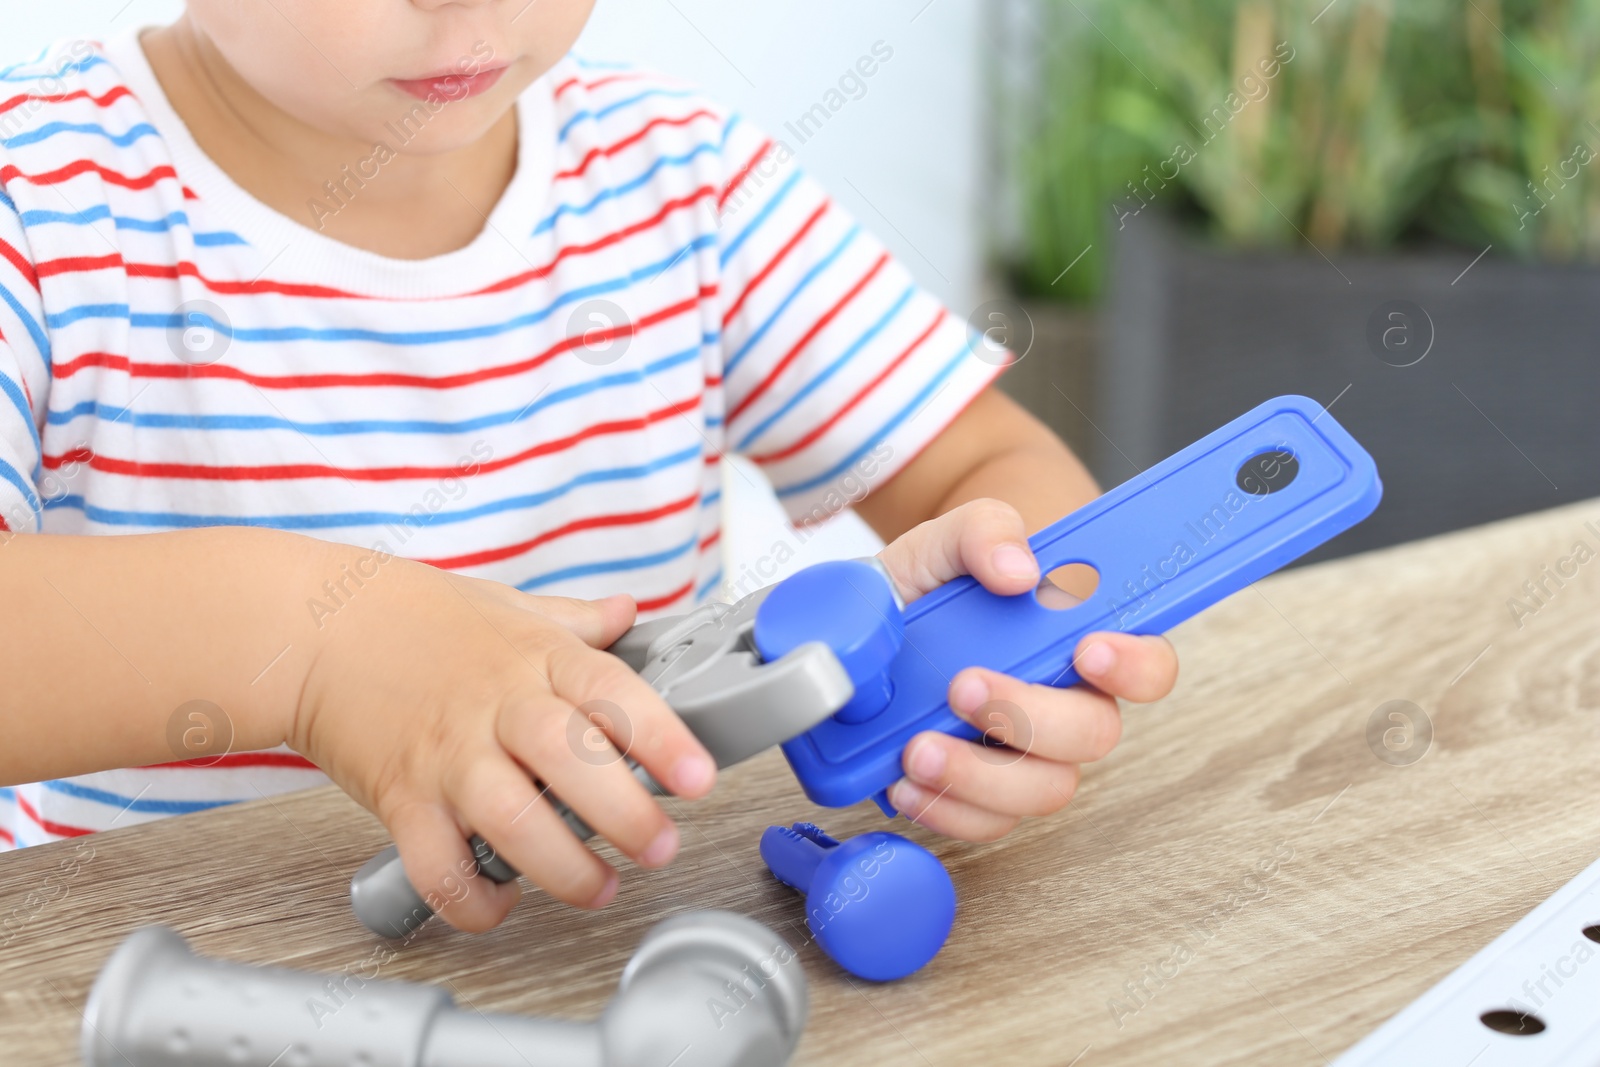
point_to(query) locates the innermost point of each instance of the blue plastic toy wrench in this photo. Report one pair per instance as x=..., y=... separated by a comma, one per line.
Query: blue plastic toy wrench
x=1206, y=522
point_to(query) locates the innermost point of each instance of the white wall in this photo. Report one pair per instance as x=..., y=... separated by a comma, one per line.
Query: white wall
x=26, y=26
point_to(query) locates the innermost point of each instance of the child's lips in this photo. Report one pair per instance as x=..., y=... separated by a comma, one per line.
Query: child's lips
x=450, y=86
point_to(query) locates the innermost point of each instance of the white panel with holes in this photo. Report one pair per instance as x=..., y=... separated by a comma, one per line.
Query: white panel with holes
x=1532, y=998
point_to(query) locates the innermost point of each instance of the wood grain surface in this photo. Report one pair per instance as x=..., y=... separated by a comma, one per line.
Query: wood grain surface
x=1243, y=881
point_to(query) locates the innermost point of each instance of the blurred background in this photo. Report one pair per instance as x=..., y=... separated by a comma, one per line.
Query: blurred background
x=1387, y=207
x=1174, y=210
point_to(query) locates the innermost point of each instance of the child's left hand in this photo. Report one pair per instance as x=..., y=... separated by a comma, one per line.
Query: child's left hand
x=962, y=788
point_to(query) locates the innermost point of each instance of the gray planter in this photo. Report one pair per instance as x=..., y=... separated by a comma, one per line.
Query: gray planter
x=1055, y=379
x=1493, y=413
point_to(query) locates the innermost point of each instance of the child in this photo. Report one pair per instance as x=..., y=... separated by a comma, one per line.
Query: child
x=400, y=344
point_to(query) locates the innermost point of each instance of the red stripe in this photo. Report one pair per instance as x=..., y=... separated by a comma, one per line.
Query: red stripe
x=609, y=79
x=88, y=166
x=49, y=268
x=660, y=602
x=243, y=759
x=709, y=541
x=3, y=527
x=595, y=522
x=116, y=361
x=772, y=265
x=632, y=139
x=607, y=241
x=19, y=261
x=109, y=98
x=188, y=269
x=289, y=472
x=783, y=453
x=57, y=828
x=744, y=172
x=816, y=328
x=597, y=83
x=5, y=835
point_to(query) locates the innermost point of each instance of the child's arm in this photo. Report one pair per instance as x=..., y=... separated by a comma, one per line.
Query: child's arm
x=992, y=449
x=433, y=699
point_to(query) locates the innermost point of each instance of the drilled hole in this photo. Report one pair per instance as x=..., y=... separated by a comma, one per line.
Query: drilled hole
x=1067, y=586
x=1515, y=1023
x=1267, y=472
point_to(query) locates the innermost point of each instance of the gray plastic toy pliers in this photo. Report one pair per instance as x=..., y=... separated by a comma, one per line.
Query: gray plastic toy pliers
x=705, y=666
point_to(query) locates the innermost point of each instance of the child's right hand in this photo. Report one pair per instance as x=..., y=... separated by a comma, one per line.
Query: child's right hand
x=441, y=703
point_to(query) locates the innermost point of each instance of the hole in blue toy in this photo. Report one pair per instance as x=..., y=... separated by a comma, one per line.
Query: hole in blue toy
x=1067, y=586
x=1267, y=472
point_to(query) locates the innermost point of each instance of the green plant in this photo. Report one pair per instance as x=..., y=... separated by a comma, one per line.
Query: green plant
x=1266, y=122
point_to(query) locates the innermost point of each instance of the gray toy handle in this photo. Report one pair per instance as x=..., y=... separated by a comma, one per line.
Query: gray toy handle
x=710, y=987
x=705, y=667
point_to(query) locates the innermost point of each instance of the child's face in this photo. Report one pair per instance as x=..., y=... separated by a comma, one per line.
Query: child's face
x=362, y=68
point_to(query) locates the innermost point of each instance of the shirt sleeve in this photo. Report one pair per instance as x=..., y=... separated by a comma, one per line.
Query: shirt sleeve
x=837, y=368
x=24, y=375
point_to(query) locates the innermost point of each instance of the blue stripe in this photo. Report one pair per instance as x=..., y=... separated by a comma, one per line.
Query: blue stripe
x=587, y=64
x=20, y=402
x=711, y=498
x=583, y=570
x=31, y=324
x=126, y=803
x=8, y=202
x=7, y=793
x=828, y=371
x=123, y=222
x=710, y=584
x=609, y=108
x=811, y=275
x=149, y=320
x=50, y=129
x=761, y=216
x=65, y=68
x=612, y=193
x=10, y=474
x=163, y=421
x=883, y=431
x=26, y=62
x=337, y=520
x=94, y=311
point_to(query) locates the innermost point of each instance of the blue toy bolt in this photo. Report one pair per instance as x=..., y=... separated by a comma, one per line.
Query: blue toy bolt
x=849, y=606
x=879, y=905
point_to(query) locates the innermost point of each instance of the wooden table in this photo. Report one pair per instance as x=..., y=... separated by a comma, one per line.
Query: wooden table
x=1275, y=888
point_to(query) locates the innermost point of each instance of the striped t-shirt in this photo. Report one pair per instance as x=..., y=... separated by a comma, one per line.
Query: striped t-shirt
x=545, y=407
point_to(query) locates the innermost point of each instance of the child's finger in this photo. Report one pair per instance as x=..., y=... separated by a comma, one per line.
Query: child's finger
x=499, y=801
x=984, y=538
x=603, y=687
x=1133, y=667
x=997, y=779
x=580, y=756
x=1073, y=725
x=946, y=815
x=597, y=623
x=439, y=865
